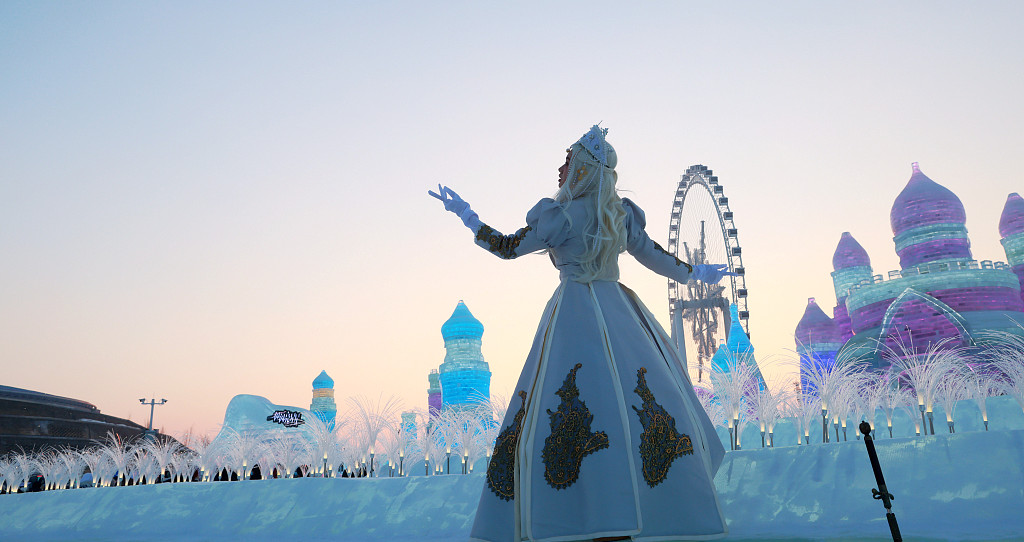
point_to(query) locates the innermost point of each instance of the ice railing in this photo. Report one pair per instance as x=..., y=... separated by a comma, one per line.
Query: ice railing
x=928, y=269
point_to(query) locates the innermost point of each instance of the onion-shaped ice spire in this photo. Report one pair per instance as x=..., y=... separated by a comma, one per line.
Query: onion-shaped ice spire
x=1011, y=233
x=323, y=405
x=462, y=324
x=816, y=329
x=323, y=381
x=1011, y=222
x=923, y=202
x=739, y=343
x=851, y=266
x=849, y=253
x=464, y=375
x=927, y=222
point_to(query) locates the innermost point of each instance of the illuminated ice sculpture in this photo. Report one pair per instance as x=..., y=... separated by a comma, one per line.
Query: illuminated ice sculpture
x=737, y=349
x=465, y=377
x=323, y=405
x=940, y=292
x=434, y=393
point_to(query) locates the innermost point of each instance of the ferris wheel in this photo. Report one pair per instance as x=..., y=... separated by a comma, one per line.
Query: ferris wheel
x=701, y=230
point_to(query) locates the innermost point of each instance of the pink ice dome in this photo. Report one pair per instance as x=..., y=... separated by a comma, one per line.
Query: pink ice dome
x=816, y=327
x=849, y=253
x=1012, y=219
x=924, y=202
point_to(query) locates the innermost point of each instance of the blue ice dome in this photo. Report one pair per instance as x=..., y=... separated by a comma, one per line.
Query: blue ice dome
x=323, y=381
x=462, y=325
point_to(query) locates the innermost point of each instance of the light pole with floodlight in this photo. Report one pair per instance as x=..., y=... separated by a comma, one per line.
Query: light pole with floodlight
x=152, y=404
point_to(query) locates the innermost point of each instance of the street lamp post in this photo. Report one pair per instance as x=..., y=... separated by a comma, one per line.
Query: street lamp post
x=371, y=463
x=824, y=423
x=152, y=404
x=448, y=461
x=401, y=462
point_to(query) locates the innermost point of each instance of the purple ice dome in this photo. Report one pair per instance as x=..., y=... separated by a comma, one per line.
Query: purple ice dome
x=924, y=202
x=816, y=327
x=1012, y=219
x=849, y=253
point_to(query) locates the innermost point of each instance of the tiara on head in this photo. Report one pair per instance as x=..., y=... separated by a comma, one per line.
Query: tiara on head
x=593, y=142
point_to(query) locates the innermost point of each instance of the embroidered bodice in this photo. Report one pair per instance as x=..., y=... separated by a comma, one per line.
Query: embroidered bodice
x=559, y=229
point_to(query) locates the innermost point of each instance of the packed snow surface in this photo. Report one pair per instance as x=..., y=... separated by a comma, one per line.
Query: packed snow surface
x=963, y=486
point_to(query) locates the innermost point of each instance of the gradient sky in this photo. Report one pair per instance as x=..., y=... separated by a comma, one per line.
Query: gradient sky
x=201, y=199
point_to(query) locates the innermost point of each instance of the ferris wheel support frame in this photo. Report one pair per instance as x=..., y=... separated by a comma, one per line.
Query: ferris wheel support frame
x=700, y=176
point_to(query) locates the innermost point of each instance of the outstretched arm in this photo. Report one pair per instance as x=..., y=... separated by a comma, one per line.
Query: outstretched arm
x=523, y=241
x=508, y=247
x=659, y=260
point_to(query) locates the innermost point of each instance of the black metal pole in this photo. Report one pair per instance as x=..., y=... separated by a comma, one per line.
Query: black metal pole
x=882, y=492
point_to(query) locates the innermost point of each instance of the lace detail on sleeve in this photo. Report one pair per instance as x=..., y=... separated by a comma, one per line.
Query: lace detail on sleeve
x=502, y=245
x=689, y=268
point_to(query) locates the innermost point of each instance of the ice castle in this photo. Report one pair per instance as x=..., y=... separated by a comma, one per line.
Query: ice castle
x=940, y=292
x=464, y=377
x=323, y=405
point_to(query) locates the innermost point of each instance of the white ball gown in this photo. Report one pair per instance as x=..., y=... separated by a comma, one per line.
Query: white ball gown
x=605, y=436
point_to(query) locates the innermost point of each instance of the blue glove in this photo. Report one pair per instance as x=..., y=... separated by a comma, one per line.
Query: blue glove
x=455, y=204
x=711, y=273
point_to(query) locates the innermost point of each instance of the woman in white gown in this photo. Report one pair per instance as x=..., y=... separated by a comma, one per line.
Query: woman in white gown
x=605, y=438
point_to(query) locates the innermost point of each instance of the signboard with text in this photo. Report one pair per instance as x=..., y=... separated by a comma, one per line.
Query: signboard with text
x=287, y=418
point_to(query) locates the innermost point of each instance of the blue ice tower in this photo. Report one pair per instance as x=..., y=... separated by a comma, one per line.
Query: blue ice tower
x=737, y=349
x=465, y=376
x=323, y=405
x=408, y=423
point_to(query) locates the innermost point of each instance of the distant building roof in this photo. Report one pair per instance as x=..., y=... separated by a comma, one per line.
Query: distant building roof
x=18, y=394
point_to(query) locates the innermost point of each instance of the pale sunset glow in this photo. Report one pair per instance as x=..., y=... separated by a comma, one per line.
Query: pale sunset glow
x=199, y=200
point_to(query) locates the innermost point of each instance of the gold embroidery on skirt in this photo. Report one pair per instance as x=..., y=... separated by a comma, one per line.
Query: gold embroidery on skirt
x=501, y=469
x=660, y=443
x=571, y=438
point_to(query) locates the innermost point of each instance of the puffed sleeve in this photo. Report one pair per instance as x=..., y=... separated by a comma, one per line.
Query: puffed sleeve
x=646, y=251
x=546, y=227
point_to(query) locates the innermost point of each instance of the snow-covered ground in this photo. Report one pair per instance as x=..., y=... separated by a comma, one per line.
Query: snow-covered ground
x=964, y=486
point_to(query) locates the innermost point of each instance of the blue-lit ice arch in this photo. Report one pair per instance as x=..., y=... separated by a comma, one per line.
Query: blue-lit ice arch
x=465, y=376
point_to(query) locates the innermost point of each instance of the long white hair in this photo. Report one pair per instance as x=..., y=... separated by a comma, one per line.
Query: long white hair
x=590, y=183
